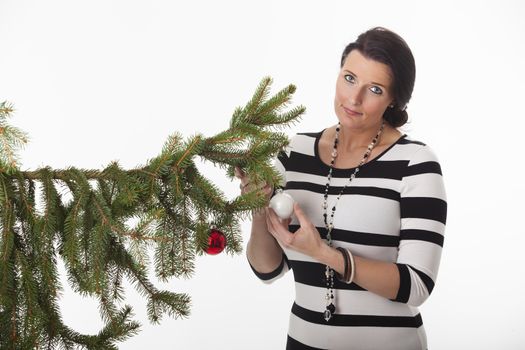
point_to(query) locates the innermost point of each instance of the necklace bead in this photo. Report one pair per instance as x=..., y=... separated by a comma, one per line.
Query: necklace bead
x=330, y=301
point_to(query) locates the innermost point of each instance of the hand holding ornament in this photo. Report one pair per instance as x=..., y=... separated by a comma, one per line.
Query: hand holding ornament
x=305, y=240
x=282, y=203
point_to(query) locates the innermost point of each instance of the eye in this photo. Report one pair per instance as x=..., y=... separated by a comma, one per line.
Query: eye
x=349, y=78
x=376, y=90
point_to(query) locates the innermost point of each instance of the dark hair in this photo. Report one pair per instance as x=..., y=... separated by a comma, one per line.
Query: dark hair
x=385, y=46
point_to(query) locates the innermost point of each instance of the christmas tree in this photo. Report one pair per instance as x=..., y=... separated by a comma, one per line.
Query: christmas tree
x=170, y=202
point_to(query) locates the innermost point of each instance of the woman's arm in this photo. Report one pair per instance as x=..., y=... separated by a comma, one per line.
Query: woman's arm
x=263, y=252
x=411, y=278
x=376, y=276
x=379, y=277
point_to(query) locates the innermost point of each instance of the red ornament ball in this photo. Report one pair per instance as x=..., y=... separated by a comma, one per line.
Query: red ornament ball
x=216, y=242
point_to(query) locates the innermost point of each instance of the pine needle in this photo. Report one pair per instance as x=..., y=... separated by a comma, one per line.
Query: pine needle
x=173, y=205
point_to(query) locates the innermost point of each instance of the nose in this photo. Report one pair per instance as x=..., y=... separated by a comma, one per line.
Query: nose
x=355, y=96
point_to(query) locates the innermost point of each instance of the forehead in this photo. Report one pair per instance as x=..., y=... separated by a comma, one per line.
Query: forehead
x=367, y=70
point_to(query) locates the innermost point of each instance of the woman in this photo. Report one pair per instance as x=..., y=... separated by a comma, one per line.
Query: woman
x=366, y=237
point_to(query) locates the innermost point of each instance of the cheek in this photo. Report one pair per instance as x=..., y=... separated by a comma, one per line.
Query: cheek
x=340, y=92
x=375, y=106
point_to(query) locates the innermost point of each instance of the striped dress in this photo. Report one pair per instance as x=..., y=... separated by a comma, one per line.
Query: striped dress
x=394, y=210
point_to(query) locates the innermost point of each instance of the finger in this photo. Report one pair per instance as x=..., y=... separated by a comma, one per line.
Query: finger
x=262, y=187
x=269, y=213
x=244, y=179
x=301, y=216
x=245, y=188
x=277, y=229
x=273, y=217
x=270, y=221
x=267, y=189
x=269, y=224
x=238, y=172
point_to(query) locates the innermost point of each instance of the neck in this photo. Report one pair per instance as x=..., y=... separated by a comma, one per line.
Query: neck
x=352, y=139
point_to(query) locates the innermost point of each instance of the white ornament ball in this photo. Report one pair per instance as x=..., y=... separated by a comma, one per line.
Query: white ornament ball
x=282, y=204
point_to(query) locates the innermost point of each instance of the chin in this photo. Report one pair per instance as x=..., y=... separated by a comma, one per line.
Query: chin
x=350, y=121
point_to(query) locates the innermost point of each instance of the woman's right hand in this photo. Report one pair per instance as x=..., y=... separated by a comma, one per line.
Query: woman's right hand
x=246, y=186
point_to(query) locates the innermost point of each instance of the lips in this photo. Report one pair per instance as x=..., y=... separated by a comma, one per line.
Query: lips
x=351, y=112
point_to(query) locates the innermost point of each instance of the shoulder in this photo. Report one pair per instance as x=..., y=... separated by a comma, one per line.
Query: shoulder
x=411, y=150
x=422, y=152
x=419, y=156
x=305, y=137
x=304, y=142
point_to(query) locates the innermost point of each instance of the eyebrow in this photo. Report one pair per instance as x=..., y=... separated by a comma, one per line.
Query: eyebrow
x=373, y=82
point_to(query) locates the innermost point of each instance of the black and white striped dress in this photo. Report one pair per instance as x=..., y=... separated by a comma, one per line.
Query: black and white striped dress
x=394, y=210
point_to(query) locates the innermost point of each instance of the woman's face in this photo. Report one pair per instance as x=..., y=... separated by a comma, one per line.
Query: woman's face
x=363, y=92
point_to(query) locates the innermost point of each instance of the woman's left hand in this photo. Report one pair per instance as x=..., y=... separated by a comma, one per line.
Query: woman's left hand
x=305, y=240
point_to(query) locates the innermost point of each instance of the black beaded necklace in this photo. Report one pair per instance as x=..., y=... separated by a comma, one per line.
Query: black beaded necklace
x=330, y=299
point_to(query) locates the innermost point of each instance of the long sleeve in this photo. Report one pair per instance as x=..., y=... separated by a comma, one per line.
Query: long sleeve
x=423, y=218
x=273, y=276
x=284, y=266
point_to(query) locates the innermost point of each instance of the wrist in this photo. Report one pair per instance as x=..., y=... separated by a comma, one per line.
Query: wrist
x=325, y=254
x=259, y=216
x=349, y=266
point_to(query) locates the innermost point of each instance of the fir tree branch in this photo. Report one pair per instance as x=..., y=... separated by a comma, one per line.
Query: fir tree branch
x=174, y=202
x=11, y=139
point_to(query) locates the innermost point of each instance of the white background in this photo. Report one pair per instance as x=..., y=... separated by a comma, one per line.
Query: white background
x=97, y=81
